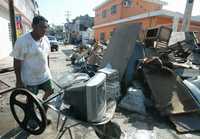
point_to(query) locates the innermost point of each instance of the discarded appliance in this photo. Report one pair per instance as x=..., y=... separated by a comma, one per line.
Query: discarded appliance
x=112, y=83
x=157, y=37
x=92, y=108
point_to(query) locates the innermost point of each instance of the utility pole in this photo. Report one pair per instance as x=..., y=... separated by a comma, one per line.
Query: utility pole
x=12, y=21
x=68, y=14
x=68, y=31
x=187, y=15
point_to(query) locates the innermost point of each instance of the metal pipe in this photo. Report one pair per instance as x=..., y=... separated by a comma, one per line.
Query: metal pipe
x=12, y=21
x=52, y=97
x=187, y=15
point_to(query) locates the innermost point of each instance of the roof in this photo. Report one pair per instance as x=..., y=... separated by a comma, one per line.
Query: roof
x=146, y=15
x=153, y=1
x=101, y=4
x=157, y=2
x=197, y=17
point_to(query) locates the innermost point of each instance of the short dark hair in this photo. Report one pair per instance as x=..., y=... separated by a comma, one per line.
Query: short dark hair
x=38, y=19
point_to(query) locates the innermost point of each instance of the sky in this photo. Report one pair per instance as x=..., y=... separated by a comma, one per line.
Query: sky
x=56, y=10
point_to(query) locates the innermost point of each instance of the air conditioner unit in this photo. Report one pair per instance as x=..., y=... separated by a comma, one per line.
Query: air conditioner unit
x=125, y=3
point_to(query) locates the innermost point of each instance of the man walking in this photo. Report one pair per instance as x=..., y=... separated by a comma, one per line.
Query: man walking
x=31, y=60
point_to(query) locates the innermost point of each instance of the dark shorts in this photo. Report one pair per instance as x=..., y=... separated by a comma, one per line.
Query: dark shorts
x=46, y=86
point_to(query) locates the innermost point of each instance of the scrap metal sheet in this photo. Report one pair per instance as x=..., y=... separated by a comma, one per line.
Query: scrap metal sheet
x=186, y=122
x=170, y=94
x=121, y=47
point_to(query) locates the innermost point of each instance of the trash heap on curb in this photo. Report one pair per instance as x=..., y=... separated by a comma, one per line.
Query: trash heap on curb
x=166, y=67
x=170, y=69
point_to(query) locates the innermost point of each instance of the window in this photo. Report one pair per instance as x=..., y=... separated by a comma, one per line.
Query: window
x=96, y=14
x=102, y=36
x=104, y=13
x=191, y=1
x=113, y=9
x=112, y=32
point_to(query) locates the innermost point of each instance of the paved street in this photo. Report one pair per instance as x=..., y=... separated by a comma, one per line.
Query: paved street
x=125, y=125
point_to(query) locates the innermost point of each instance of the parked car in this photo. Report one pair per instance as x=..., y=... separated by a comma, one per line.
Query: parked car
x=54, y=43
x=61, y=42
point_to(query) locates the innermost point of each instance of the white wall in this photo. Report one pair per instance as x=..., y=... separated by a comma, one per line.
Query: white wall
x=26, y=7
x=5, y=40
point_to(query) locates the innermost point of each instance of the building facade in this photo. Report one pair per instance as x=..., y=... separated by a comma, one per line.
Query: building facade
x=78, y=28
x=24, y=11
x=149, y=13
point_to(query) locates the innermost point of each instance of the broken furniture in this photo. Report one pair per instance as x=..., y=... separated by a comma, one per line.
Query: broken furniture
x=185, y=48
x=88, y=60
x=91, y=55
x=95, y=56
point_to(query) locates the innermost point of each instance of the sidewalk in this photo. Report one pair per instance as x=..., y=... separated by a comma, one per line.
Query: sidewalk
x=7, y=78
x=6, y=64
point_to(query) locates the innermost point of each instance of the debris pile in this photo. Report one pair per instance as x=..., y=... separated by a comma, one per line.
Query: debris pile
x=166, y=67
x=166, y=71
x=90, y=54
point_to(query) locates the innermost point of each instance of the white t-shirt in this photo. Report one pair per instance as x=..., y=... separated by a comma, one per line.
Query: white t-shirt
x=34, y=68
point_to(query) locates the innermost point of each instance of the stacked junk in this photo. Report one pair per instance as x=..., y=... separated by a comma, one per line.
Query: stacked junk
x=171, y=71
x=165, y=66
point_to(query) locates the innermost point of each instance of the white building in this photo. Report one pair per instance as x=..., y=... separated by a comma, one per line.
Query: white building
x=25, y=9
x=87, y=36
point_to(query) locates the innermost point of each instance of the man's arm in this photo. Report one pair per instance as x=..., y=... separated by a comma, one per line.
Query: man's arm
x=17, y=67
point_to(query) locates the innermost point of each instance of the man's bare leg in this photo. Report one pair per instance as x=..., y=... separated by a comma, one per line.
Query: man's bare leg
x=46, y=95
